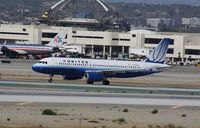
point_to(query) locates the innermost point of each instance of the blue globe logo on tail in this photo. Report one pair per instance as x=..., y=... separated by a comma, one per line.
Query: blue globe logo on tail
x=158, y=55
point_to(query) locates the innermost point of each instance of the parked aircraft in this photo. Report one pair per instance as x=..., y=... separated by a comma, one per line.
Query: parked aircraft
x=13, y=50
x=100, y=70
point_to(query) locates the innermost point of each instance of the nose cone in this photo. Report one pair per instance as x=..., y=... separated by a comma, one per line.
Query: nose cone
x=35, y=68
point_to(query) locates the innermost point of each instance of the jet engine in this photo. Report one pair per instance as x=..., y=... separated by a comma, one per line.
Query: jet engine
x=94, y=76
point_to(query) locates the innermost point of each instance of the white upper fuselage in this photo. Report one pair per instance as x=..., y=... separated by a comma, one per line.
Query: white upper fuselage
x=98, y=63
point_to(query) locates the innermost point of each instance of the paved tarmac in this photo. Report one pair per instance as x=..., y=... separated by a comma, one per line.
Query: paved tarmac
x=99, y=88
x=24, y=93
x=178, y=76
x=97, y=98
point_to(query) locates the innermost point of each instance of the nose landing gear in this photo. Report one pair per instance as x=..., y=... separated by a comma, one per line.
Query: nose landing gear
x=51, y=78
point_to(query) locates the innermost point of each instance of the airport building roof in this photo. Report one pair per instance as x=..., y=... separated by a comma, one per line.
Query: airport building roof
x=143, y=31
x=79, y=20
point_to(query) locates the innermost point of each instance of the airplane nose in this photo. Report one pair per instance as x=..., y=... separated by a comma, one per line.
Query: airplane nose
x=35, y=68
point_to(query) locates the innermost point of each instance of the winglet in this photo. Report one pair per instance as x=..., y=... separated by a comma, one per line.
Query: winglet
x=158, y=55
x=58, y=40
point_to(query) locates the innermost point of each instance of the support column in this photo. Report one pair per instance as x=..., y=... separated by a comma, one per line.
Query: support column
x=173, y=59
x=93, y=51
x=122, y=49
x=110, y=52
x=104, y=51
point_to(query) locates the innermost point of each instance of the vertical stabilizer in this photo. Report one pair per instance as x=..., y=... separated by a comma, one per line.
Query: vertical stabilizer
x=4, y=42
x=158, y=55
x=58, y=40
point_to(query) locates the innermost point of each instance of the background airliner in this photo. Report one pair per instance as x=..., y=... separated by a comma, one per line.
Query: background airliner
x=99, y=70
x=13, y=50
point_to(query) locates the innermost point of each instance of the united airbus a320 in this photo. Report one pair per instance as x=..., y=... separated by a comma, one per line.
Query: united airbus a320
x=94, y=70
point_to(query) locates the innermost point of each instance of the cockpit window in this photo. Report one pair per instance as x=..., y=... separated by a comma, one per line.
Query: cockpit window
x=42, y=62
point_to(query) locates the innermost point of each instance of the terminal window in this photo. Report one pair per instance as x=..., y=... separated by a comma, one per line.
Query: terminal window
x=13, y=33
x=192, y=51
x=156, y=41
x=48, y=35
x=133, y=35
x=170, y=51
x=125, y=39
x=90, y=37
x=45, y=42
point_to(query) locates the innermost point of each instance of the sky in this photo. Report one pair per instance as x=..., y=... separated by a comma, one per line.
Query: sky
x=191, y=2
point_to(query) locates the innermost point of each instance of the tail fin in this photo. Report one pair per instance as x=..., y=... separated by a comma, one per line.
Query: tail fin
x=158, y=55
x=58, y=40
x=4, y=42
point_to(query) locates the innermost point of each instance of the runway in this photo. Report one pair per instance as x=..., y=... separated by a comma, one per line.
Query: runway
x=186, y=77
x=100, y=88
x=189, y=96
x=24, y=96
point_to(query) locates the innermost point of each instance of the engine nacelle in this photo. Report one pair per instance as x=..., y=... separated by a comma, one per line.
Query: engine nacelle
x=93, y=76
x=71, y=77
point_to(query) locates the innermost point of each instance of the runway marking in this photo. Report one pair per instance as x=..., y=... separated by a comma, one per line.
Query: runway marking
x=23, y=103
x=176, y=107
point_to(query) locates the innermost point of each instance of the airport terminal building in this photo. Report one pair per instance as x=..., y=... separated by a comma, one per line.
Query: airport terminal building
x=183, y=46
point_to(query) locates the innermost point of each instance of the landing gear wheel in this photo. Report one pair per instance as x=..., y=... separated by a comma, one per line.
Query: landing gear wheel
x=50, y=80
x=90, y=82
x=106, y=82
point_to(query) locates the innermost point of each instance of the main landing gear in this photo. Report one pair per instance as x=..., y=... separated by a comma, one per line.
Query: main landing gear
x=51, y=78
x=90, y=82
x=106, y=82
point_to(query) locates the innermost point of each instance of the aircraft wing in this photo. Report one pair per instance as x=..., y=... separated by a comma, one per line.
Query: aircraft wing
x=114, y=71
x=20, y=51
